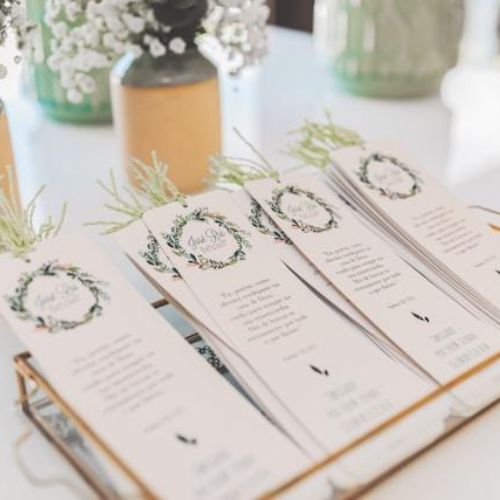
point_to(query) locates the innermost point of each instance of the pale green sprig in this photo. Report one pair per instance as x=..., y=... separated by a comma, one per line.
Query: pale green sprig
x=228, y=172
x=154, y=189
x=18, y=233
x=317, y=141
x=154, y=182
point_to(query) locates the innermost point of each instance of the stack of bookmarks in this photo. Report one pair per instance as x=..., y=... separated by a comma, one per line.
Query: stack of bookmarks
x=356, y=355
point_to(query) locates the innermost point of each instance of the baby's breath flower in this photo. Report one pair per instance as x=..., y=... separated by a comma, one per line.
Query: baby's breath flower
x=13, y=21
x=90, y=35
x=237, y=30
x=177, y=45
x=75, y=96
x=156, y=48
x=135, y=24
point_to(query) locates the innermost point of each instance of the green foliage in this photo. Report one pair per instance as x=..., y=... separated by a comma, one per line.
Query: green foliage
x=256, y=217
x=375, y=158
x=275, y=205
x=173, y=239
x=19, y=234
x=152, y=257
x=51, y=324
x=229, y=172
x=154, y=189
x=317, y=141
x=314, y=145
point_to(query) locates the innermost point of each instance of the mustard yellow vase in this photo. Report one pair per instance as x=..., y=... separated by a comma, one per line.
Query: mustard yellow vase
x=169, y=105
x=7, y=160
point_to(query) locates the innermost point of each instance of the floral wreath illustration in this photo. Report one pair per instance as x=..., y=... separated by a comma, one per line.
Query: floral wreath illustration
x=152, y=257
x=17, y=302
x=392, y=195
x=275, y=205
x=255, y=218
x=204, y=215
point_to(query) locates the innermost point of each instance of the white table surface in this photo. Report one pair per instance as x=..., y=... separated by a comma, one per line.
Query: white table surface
x=458, y=142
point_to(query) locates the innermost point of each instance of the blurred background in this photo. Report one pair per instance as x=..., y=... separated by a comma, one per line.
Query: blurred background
x=445, y=105
x=296, y=14
x=480, y=40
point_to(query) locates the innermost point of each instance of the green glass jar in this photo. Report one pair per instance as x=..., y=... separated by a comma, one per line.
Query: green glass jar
x=52, y=97
x=389, y=48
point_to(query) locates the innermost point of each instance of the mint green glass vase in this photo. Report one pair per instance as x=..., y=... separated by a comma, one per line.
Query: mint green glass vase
x=389, y=48
x=94, y=108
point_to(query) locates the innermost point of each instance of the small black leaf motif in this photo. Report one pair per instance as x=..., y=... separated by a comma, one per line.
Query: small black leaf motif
x=421, y=318
x=497, y=271
x=319, y=371
x=185, y=440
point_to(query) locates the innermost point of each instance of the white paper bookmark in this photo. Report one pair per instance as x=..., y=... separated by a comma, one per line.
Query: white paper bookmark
x=144, y=251
x=437, y=224
x=334, y=383
x=443, y=338
x=148, y=396
x=302, y=267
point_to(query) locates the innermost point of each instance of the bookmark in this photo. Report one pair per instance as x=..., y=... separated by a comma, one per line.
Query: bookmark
x=425, y=425
x=269, y=232
x=144, y=251
x=149, y=397
x=335, y=384
x=437, y=333
x=428, y=218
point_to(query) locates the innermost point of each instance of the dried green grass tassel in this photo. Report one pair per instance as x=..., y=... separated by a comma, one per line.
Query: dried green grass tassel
x=18, y=233
x=155, y=189
x=317, y=141
x=228, y=172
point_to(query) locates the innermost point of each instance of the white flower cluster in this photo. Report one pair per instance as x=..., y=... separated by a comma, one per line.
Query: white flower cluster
x=13, y=20
x=5, y=13
x=236, y=30
x=90, y=35
x=4, y=24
